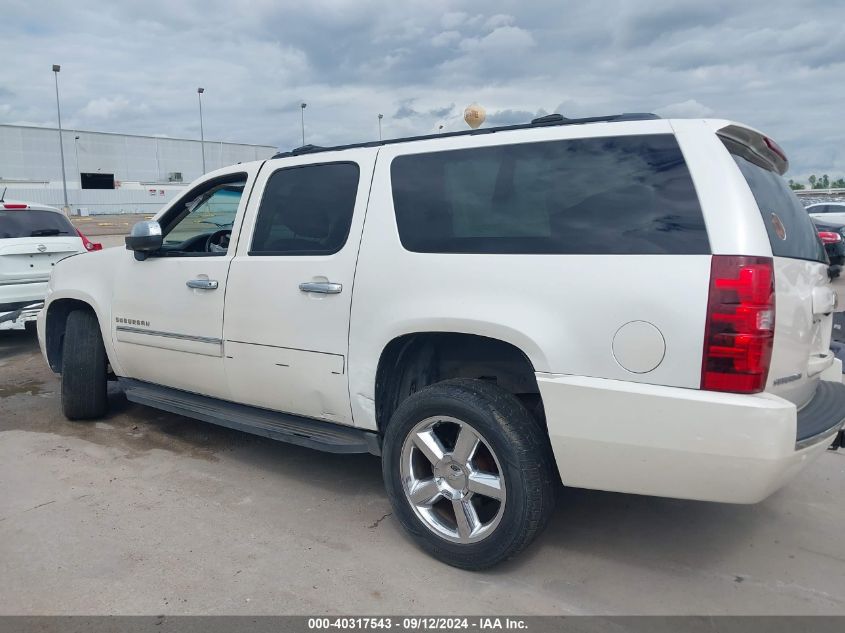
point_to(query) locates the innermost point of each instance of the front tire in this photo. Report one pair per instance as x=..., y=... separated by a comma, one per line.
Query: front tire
x=469, y=472
x=84, y=379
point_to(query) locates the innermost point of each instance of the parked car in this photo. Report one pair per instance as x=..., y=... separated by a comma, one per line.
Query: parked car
x=33, y=239
x=492, y=312
x=828, y=212
x=831, y=236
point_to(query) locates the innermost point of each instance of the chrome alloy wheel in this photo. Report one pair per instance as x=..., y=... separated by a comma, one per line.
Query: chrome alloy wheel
x=452, y=479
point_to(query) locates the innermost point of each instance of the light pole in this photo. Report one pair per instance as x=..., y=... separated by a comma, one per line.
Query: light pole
x=302, y=107
x=202, y=134
x=380, y=117
x=76, y=151
x=56, y=69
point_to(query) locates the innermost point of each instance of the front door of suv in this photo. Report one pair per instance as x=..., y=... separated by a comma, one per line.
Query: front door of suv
x=290, y=286
x=167, y=310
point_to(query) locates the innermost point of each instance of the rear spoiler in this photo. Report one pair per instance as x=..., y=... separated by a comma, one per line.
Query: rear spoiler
x=759, y=144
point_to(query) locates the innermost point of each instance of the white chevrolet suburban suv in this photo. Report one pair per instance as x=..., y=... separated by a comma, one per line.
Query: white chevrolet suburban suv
x=620, y=303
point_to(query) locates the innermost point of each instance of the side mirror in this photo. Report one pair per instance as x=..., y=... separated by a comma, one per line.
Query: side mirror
x=144, y=238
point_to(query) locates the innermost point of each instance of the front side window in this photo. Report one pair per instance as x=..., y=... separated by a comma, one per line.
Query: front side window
x=306, y=210
x=612, y=195
x=201, y=223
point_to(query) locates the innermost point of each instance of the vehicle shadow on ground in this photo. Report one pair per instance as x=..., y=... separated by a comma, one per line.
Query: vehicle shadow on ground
x=17, y=342
x=587, y=522
x=602, y=524
x=639, y=528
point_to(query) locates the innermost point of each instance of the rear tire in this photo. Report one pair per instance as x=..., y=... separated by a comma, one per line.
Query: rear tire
x=84, y=392
x=473, y=507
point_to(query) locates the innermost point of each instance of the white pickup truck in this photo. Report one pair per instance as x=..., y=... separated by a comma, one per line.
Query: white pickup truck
x=620, y=303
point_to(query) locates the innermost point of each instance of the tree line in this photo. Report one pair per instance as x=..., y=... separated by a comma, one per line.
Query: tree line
x=818, y=183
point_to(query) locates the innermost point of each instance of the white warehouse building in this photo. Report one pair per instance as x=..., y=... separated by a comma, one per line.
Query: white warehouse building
x=108, y=173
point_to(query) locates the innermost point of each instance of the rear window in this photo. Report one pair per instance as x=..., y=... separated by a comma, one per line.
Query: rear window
x=779, y=206
x=619, y=195
x=30, y=223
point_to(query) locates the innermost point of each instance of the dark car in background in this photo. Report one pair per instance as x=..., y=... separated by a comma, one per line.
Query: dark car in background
x=833, y=238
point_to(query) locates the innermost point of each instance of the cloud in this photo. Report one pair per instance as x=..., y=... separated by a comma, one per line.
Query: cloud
x=510, y=39
x=446, y=38
x=405, y=110
x=135, y=67
x=689, y=109
x=108, y=108
x=439, y=113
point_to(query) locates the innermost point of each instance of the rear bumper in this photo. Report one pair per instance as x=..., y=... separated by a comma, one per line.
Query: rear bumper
x=822, y=416
x=685, y=443
x=13, y=295
x=17, y=319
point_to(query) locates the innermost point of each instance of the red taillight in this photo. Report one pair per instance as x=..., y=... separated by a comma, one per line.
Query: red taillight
x=740, y=326
x=829, y=237
x=88, y=244
x=13, y=205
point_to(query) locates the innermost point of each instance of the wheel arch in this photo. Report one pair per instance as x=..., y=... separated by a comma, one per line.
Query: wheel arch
x=413, y=360
x=55, y=322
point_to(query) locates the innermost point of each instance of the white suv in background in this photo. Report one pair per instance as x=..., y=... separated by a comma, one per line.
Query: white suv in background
x=621, y=303
x=33, y=238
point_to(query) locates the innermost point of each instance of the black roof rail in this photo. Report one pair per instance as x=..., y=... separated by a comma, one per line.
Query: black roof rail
x=548, y=120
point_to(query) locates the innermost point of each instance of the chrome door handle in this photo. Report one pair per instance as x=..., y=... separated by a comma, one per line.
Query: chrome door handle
x=202, y=284
x=321, y=287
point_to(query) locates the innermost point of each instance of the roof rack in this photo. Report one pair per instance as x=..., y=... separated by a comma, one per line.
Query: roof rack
x=544, y=121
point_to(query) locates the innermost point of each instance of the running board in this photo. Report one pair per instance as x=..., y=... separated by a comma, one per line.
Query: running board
x=285, y=427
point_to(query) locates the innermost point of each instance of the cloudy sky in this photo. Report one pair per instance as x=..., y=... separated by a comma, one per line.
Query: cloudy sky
x=134, y=66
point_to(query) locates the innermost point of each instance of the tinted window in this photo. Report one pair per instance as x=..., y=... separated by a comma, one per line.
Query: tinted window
x=306, y=210
x=620, y=195
x=775, y=198
x=27, y=223
x=818, y=208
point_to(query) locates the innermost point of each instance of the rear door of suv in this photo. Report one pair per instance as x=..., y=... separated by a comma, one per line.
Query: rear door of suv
x=286, y=324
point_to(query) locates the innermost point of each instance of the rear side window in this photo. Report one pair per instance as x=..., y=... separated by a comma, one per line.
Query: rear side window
x=306, y=210
x=791, y=230
x=613, y=195
x=31, y=223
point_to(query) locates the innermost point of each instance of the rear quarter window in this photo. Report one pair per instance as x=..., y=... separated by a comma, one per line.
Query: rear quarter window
x=611, y=195
x=777, y=202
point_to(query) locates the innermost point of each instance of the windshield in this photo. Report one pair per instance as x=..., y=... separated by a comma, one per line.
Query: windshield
x=33, y=223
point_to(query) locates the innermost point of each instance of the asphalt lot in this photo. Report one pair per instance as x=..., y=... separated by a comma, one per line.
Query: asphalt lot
x=148, y=512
